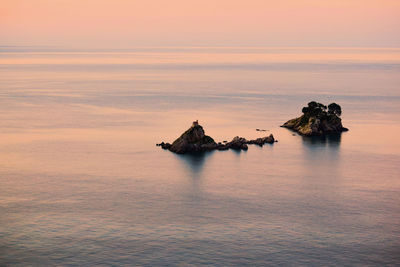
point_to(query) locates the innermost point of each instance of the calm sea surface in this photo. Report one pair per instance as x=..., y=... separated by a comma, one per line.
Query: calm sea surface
x=82, y=182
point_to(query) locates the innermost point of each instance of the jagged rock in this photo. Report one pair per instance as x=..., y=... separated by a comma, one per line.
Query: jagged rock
x=195, y=140
x=165, y=145
x=261, y=141
x=238, y=143
x=317, y=119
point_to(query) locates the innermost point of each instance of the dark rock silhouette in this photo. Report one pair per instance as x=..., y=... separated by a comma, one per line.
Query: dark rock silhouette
x=317, y=119
x=194, y=140
x=261, y=141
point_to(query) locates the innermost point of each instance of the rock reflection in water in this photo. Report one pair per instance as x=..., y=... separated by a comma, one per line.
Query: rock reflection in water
x=194, y=162
x=322, y=152
x=330, y=140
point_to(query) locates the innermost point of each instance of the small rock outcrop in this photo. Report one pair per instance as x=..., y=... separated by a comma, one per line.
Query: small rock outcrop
x=264, y=140
x=317, y=119
x=194, y=140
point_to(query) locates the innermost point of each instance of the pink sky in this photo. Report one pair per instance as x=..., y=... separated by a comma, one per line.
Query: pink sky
x=128, y=23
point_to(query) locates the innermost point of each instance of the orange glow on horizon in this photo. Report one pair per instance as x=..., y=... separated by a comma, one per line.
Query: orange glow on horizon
x=125, y=23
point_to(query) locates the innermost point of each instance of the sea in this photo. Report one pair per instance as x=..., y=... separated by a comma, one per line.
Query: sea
x=82, y=182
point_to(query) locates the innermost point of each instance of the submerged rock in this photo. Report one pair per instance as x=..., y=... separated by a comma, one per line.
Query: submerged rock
x=194, y=140
x=317, y=119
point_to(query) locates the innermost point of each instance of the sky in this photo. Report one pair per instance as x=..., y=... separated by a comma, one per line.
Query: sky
x=138, y=23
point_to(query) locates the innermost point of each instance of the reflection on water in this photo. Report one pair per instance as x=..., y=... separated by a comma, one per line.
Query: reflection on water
x=322, y=153
x=237, y=152
x=194, y=162
x=329, y=140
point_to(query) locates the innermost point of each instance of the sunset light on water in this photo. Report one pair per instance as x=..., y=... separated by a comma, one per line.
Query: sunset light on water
x=88, y=88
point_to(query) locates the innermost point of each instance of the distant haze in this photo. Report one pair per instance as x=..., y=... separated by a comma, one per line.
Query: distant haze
x=124, y=23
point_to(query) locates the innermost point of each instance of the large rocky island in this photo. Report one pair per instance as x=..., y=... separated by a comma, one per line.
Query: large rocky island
x=194, y=140
x=317, y=119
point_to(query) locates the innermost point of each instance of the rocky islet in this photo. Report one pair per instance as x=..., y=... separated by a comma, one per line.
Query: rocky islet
x=317, y=120
x=195, y=140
